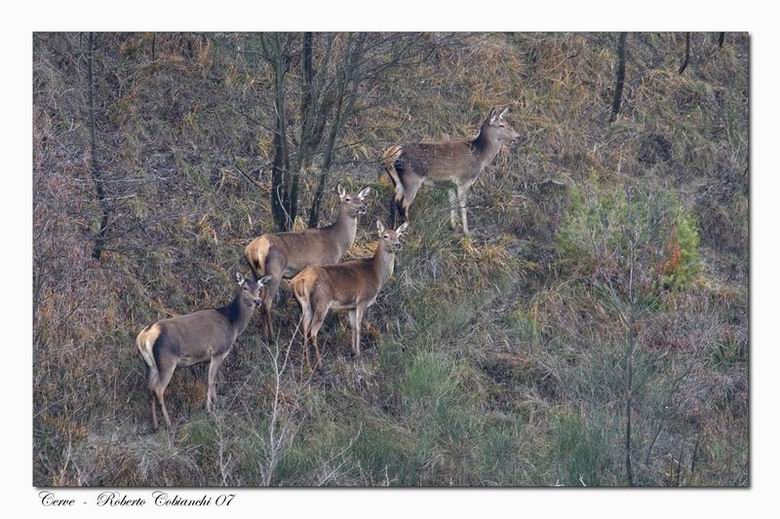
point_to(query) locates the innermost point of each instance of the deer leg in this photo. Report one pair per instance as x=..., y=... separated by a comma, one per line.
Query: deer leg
x=211, y=395
x=359, y=312
x=275, y=265
x=152, y=399
x=394, y=208
x=154, y=377
x=306, y=317
x=268, y=301
x=318, y=366
x=306, y=340
x=353, y=325
x=396, y=199
x=453, y=209
x=462, y=193
x=413, y=184
x=159, y=389
x=306, y=322
x=403, y=210
x=305, y=359
x=319, y=318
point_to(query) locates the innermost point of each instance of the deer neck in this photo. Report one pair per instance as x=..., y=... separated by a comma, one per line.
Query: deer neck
x=344, y=229
x=236, y=313
x=384, y=262
x=484, y=148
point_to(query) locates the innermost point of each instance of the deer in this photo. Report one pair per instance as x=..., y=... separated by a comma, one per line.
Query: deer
x=458, y=163
x=351, y=285
x=283, y=255
x=185, y=340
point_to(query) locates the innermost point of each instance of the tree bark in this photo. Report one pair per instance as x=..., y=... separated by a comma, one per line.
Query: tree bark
x=280, y=166
x=97, y=176
x=620, y=76
x=687, y=56
x=307, y=122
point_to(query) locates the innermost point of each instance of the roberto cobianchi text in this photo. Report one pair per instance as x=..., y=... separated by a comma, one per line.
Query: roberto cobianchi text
x=156, y=498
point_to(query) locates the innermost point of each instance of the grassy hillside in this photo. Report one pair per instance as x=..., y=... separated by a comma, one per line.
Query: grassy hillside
x=607, y=277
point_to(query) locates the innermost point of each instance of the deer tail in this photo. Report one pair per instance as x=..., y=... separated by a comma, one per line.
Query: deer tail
x=251, y=264
x=389, y=158
x=301, y=290
x=145, y=344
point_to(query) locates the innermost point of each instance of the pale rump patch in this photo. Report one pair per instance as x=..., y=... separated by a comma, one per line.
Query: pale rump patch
x=145, y=343
x=256, y=252
x=302, y=283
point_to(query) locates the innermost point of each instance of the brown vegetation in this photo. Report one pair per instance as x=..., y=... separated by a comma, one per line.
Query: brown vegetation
x=606, y=282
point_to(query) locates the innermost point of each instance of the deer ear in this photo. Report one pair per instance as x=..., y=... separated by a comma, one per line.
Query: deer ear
x=364, y=193
x=239, y=278
x=402, y=228
x=492, y=115
x=263, y=281
x=342, y=191
x=380, y=227
x=503, y=113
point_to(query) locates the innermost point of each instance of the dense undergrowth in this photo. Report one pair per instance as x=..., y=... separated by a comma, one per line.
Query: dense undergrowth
x=608, y=273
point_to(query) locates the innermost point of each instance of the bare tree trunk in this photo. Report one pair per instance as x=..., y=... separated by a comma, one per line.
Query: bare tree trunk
x=279, y=169
x=695, y=451
x=620, y=76
x=97, y=176
x=687, y=56
x=679, y=465
x=307, y=121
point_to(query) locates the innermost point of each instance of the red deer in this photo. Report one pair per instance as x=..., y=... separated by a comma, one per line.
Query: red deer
x=351, y=285
x=205, y=335
x=455, y=162
x=285, y=254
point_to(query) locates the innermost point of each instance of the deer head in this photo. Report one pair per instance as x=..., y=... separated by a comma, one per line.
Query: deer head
x=391, y=238
x=497, y=129
x=250, y=290
x=353, y=204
